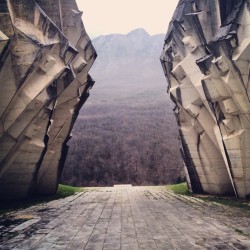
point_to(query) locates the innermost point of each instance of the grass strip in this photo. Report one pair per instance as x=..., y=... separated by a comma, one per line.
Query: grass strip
x=182, y=188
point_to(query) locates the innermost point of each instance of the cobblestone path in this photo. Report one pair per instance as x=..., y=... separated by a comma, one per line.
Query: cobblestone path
x=127, y=218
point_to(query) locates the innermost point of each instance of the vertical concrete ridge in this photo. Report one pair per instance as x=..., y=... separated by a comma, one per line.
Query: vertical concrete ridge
x=206, y=62
x=45, y=56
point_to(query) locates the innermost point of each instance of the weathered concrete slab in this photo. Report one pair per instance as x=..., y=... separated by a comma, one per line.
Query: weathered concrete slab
x=128, y=218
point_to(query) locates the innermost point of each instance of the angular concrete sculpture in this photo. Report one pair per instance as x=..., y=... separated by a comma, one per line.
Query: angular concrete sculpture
x=45, y=56
x=206, y=62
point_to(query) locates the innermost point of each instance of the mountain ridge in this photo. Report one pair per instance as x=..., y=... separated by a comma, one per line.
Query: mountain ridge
x=125, y=50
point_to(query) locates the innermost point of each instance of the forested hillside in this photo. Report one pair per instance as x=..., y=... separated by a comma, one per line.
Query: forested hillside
x=126, y=132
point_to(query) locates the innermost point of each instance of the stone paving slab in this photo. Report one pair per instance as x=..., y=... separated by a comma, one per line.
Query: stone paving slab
x=126, y=217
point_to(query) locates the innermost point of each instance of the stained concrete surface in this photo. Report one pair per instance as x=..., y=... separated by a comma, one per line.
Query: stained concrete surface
x=206, y=62
x=126, y=217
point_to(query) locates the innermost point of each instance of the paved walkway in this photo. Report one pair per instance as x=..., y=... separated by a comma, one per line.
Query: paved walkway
x=127, y=218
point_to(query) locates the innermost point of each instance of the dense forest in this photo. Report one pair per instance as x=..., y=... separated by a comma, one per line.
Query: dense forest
x=126, y=132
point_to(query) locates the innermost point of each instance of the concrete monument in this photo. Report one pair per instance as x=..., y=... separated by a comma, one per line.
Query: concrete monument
x=45, y=56
x=206, y=62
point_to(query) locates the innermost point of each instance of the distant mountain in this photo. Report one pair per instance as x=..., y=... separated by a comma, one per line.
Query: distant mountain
x=128, y=65
x=118, y=51
x=126, y=132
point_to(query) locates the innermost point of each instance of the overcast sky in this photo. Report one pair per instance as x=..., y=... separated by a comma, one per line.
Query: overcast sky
x=103, y=17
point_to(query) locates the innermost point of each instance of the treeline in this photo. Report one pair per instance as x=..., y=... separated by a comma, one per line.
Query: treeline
x=120, y=144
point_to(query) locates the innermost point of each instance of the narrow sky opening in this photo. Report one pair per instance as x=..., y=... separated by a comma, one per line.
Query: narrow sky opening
x=119, y=16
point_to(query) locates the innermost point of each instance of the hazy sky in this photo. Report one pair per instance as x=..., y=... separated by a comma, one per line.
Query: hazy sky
x=121, y=16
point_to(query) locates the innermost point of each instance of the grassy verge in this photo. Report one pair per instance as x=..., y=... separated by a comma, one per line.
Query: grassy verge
x=62, y=192
x=65, y=191
x=224, y=200
x=181, y=188
x=228, y=201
